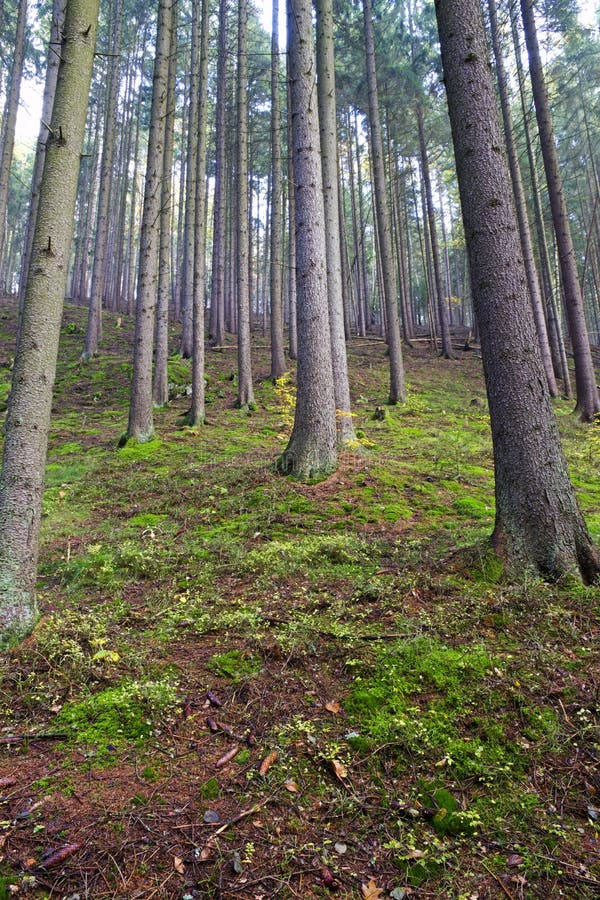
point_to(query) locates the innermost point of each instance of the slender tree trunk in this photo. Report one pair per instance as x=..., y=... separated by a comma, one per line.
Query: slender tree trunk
x=538, y=523
x=141, y=423
x=245, y=397
x=437, y=284
x=217, y=294
x=197, y=413
x=397, y=391
x=278, y=364
x=160, y=386
x=189, y=243
x=28, y=416
x=293, y=332
x=311, y=451
x=58, y=19
x=588, y=399
x=329, y=162
x=9, y=119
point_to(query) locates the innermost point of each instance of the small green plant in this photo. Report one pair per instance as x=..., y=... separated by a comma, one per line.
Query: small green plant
x=235, y=665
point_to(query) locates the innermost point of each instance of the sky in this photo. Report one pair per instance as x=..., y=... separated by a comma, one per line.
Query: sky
x=31, y=92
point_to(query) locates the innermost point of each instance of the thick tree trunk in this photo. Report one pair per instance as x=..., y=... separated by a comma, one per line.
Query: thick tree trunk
x=28, y=416
x=397, y=391
x=311, y=451
x=141, y=423
x=588, y=399
x=538, y=523
x=329, y=164
x=245, y=399
x=293, y=331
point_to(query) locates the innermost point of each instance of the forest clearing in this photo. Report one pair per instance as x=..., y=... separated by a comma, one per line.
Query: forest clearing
x=243, y=686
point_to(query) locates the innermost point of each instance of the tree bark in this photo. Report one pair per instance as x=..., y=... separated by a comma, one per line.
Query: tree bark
x=311, y=451
x=217, y=293
x=245, y=398
x=329, y=162
x=278, y=363
x=588, y=399
x=28, y=416
x=397, y=390
x=141, y=423
x=538, y=524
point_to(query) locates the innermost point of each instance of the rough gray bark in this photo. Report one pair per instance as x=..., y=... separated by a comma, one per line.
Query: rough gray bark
x=397, y=391
x=9, y=119
x=329, y=164
x=293, y=330
x=245, y=398
x=141, y=424
x=28, y=416
x=538, y=524
x=521, y=206
x=588, y=398
x=311, y=451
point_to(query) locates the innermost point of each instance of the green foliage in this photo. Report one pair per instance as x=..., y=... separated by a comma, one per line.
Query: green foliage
x=314, y=552
x=74, y=641
x=131, y=711
x=235, y=665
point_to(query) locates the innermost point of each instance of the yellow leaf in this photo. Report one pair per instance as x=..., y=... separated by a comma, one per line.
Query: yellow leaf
x=333, y=707
x=370, y=891
x=291, y=786
x=178, y=865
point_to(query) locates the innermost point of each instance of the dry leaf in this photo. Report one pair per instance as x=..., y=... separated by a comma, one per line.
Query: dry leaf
x=514, y=860
x=268, y=762
x=339, y=769
x=291, y=786
x=333, y=707
x=370, y=891
x=179, y=865
x=415, y=854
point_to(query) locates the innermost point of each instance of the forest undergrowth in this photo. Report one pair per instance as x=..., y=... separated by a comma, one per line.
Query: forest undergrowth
x=245, y=687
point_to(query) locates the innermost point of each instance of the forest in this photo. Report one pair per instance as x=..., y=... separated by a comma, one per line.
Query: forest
x=300, y=485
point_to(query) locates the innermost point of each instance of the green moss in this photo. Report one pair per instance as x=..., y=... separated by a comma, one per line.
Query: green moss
x=147, y=520
x=235, y=665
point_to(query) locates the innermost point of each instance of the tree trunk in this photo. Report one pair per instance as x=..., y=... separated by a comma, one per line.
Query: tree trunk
x=588, y=399
x=245, y=398
x=141, y=423
x=7, y=140
x=538, y=525
x=189, y=243
x=217, y=293
x=397, y=391
x=533, y=283
x=329, y=162
x=278, y=364
x=28, y=416
x=293, y=332
x=311, y=451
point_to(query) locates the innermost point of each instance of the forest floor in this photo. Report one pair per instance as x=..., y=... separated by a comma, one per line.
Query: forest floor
x=245, y=687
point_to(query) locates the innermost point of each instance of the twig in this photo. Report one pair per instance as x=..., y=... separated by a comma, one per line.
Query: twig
x=498, y=881
x=40, y=736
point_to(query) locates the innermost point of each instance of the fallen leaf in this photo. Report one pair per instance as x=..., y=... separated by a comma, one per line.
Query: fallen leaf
x=227, y=757
x=340, y=848
x=415, y=854
x=370, y=891
x=339, y=769
x=211, y=817
x=268, y=762
x=398, y=893
x=179, y=865
x=514, y=860
x=8, y=781
x=291, y=786
x=333, y=707
x=237, y=863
